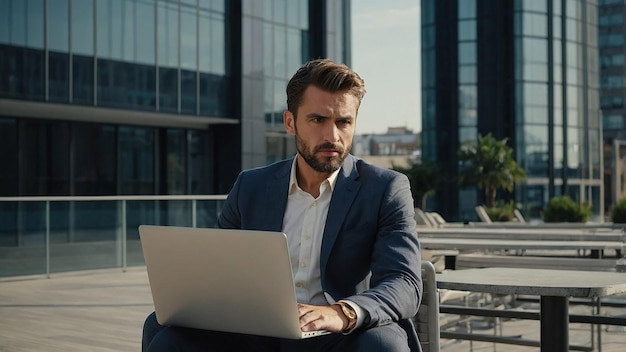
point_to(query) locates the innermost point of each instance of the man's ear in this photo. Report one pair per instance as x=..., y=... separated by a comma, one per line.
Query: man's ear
x=290, y=122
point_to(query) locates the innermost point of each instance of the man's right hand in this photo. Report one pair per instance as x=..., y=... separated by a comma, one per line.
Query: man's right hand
x=329, y=318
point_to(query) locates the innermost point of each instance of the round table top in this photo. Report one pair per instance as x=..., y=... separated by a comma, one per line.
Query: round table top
x=541, y=282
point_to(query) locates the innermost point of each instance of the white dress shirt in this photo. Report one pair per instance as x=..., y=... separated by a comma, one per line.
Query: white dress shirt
x=303, y=222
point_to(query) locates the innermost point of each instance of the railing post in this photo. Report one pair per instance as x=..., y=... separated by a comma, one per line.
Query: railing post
x=47, y=240
x=194, y=213
x=124, y=237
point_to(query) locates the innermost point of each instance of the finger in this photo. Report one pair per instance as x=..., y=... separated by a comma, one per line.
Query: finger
x=304, y=309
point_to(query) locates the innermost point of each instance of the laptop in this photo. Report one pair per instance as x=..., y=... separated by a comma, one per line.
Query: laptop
x=223, y=280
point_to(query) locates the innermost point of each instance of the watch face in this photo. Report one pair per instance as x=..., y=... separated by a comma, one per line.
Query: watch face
x=347, y=310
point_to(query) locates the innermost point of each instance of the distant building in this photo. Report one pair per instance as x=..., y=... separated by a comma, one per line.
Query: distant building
x=522, y=70
x=396, y=146
x=145, y=97
x=611, y=30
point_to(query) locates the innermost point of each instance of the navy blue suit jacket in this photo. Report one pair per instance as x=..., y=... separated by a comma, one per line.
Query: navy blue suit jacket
x=370, y=252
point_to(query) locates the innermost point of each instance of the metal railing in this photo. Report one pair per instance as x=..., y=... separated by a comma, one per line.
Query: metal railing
x=45, y=235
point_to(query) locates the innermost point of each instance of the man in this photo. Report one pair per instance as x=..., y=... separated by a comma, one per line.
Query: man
x=350, y=228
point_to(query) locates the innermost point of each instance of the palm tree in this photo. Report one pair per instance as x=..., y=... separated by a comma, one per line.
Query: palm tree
x=489, y=165
x=423, y=176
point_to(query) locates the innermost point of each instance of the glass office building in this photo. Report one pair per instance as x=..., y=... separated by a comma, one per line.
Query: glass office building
x=611, y=46
x=106, y=97
x=526, y=70
x=144, y=97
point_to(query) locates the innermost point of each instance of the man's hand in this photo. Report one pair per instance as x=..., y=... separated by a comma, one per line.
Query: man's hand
x=329, y=318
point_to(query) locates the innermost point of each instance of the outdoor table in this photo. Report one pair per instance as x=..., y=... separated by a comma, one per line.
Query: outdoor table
x=553, y=286
x=495, y=244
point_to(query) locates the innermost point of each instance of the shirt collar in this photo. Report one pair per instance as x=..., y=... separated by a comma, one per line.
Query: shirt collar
x=293, y=181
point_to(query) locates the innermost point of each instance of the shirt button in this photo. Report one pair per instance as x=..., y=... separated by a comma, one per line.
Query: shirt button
x=303, y=264
x=307, y=237
x=299, y=285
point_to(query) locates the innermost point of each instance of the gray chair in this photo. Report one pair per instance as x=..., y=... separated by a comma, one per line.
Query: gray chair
x=422, y=219
x=482, y=214
x=518, y=215
x=427, y=318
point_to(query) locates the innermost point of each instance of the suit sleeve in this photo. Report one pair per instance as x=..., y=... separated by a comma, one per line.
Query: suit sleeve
x=230, y=217
x=395, y=288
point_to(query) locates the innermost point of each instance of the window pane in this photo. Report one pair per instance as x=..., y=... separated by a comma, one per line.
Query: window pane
x=467, y=8
x=188, y=44
x=83, y=80
x=9, y=180
x=168, y=34
x=613, y=122
x=535, y=94
x=467, y=74
x=58, y=77
x=535, y=24
x=467, y=30
x=168, y=89
x=58, y=23
x=21, y=73
x=467, y=53
x=212, y=43
x=82, y=28
x=535, y=72
x=188, y=92
x=145, y=32
x=535, y=50
x=45, y=154
x=94, y=176
x=136, y=160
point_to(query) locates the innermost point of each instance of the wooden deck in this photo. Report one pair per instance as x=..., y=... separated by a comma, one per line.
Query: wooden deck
x=103, y=310
x=90, y=311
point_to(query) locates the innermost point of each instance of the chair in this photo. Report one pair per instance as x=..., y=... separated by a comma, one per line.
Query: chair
x=422, y=219
x=427, y=318
x=437, y=218
x=482, y=214
x=518, y=215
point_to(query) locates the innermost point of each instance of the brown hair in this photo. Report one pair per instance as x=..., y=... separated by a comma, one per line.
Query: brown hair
x=326, y=75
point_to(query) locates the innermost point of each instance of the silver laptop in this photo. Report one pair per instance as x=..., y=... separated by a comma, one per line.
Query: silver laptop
x=222, y=280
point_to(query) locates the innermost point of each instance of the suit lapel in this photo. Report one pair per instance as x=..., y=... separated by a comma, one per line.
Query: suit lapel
x=346, y=189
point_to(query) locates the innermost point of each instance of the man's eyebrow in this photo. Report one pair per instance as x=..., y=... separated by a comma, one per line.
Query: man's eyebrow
x=316, y=115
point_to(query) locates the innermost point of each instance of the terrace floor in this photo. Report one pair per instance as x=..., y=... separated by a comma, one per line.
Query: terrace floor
x=104, y=310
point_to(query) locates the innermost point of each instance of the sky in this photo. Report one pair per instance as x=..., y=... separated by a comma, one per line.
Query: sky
x=386, y=54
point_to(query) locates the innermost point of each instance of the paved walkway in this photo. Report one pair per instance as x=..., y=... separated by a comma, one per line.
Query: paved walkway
x=104, y=310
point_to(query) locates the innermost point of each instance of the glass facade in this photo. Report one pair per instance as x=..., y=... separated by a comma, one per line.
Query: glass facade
x=137, y=55
x=534, y=81
x=277, y=39
x=611, y=48
x=152, y=55
x=145, y=97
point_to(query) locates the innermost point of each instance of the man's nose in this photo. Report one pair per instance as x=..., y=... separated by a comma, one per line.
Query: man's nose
x=331, y=133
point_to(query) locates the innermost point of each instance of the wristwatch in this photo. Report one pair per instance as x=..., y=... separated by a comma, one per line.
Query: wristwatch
x=349, y=312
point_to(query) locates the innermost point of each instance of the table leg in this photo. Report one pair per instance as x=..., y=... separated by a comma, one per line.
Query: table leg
x=554, y=324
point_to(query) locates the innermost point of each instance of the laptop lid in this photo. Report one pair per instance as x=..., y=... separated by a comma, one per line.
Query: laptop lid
x=221, y=279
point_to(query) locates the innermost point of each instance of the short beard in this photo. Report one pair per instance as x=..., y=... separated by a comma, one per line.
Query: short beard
x=327, y=166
